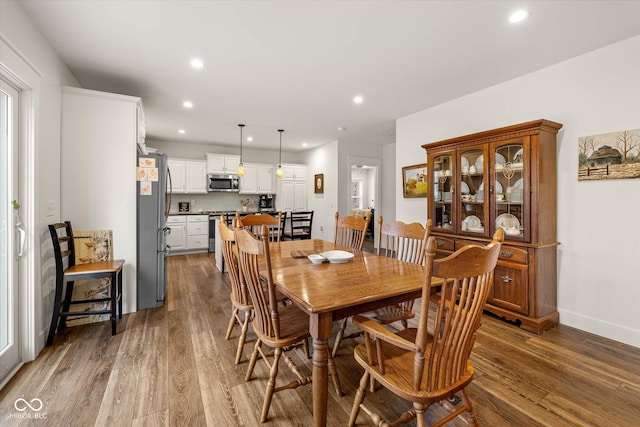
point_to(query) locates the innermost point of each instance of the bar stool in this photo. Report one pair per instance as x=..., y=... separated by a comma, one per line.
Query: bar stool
x=73, y=272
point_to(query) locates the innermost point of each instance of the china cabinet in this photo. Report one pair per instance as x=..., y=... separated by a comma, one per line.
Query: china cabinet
x=504, y=178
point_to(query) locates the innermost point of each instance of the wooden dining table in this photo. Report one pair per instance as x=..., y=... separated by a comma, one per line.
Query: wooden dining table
x=330, y=292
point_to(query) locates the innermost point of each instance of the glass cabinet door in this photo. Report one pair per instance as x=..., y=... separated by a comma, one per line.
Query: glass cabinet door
x=473, y=197
x=511, y=188
x=443, y=175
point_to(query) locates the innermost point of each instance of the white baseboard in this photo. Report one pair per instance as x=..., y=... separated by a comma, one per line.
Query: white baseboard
x=599, y=327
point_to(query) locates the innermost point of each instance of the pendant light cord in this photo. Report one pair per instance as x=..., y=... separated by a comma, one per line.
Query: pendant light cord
x=280, y=156
x=241, y=126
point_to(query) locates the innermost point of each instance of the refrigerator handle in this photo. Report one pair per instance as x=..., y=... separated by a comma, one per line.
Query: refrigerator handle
x=167, y=194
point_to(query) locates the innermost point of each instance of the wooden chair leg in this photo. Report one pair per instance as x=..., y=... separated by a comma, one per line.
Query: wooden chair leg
x=471, y=415
x=114, y=304
x=336, y=343
x=359, y=398
x=271, y=385
x=243, y=336
x=232, y=323
x=120, y=292
x=66, y=304
x=56, y=314
x=305, y=345
x=334, y=376
x=253, y=360
x=419, y=410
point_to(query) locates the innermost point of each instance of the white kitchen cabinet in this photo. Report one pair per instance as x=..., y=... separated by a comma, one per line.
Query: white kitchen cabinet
x=258, y=179
x=249, y=182
x=177, y=238
x=292, y=196
x=293, y=188
x=178, y=171
x=295, y=172
x=197, y=232
x=196, y=174
x=188, y=176
x=222, y=163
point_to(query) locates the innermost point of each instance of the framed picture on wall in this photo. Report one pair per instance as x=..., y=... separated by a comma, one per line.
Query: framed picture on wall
x=318, y=183
x=414, y=180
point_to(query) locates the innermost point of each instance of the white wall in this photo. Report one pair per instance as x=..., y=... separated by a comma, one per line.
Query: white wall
x=43, y=167
x=323, y=160
x=599, y=252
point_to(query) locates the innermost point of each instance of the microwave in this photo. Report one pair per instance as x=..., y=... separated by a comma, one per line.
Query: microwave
x=223, y=182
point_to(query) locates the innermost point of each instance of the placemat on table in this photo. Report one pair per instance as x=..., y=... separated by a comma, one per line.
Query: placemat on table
x=302, y=254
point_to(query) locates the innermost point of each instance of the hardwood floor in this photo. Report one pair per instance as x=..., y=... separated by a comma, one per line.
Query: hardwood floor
x=172, y=366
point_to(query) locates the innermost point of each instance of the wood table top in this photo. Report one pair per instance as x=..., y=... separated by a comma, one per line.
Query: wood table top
x=327, y=287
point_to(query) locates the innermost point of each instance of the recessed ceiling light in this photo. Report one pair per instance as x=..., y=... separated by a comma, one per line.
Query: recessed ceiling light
x=358, y=99
x=182, y=131
x=518, y=16
x=187, y=104
x=341, y=129
x=197, y=63
x=249, y=138
x=304, y=144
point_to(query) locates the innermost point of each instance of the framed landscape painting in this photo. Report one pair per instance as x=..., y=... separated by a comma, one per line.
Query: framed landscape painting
x=614, y=155
x=414, y=180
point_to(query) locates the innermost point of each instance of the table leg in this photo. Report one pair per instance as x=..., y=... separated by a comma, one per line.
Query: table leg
x=320, y=329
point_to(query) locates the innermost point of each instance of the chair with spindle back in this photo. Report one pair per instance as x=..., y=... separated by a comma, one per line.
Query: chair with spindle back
x=275, y=326
x=254, y=223
x=66, y=276
x=350, y=231
x=427, y=368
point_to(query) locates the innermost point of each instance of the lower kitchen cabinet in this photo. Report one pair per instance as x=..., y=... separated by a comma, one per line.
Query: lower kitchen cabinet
x=188, y=233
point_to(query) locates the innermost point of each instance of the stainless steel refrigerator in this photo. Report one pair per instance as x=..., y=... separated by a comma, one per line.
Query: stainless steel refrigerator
x=154, y=200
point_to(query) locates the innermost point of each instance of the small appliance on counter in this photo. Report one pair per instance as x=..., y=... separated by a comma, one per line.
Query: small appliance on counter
x=267, y=203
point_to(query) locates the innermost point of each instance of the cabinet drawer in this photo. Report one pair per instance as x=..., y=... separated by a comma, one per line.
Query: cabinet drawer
x=444, y=246
x=176, y=219
x=197, y=218
x=513, y=254
x=198, y=228
x=510, y=288
x=197, y=242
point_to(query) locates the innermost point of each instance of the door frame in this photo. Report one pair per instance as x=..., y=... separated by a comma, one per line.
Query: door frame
x=15, y=69
x=377, y=164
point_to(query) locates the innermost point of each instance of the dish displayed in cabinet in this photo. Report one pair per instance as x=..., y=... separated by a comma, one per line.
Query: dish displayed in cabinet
x=473, y=223
x=498, y=187
x=509, y=223
x=500, y=160
x=464, y=188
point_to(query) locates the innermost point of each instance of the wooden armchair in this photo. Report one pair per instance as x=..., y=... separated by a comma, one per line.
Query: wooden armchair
x=427, y=368
x=277, y=327
x=405, y=242
x=254, y=223
x=350, y=231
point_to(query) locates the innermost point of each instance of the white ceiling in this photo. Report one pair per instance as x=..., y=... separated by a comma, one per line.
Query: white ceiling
x=296, y=65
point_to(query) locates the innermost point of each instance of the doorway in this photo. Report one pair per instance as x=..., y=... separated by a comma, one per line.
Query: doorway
x=364, y=195
x=11, y=235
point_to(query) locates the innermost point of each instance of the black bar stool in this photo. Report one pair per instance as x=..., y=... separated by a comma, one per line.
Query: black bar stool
x=73, y=272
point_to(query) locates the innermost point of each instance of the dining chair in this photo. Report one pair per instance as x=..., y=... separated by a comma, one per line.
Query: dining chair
x=254, y=223
x=275, y=326
x=300, y=224
x=65, y=254
x=351, y=230
x=240, y=298
x=425, y=368
x=405, y=242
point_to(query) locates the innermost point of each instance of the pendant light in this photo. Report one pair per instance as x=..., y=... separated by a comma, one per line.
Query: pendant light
x=279, y=171
x=240, y=170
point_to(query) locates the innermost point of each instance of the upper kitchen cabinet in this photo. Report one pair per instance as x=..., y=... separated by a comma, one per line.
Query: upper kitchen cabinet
x=258, y=179
x=292, y=188
x=222, y=163
x=502, y=178
x=188, y=176
x=295, y=172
